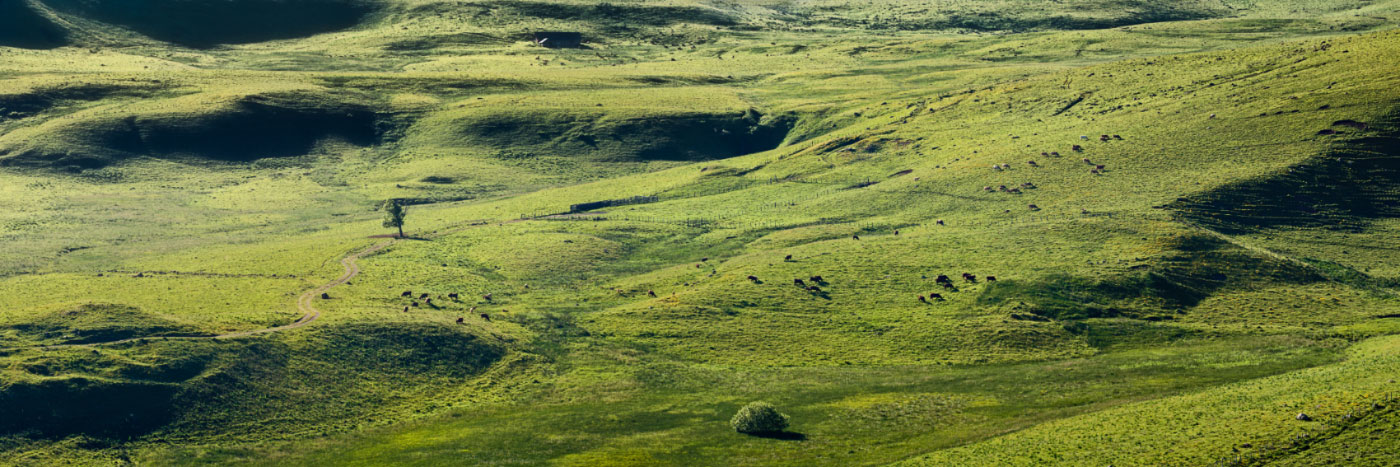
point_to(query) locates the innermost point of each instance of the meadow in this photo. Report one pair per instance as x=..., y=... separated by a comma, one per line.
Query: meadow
x=1179, y=219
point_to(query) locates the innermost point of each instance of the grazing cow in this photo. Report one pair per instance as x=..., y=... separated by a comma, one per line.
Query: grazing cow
x=939, y=222
x=452, y=295
x=753, y=278
x=405, y=309
x=1077, y=148
x=1044, y=154
x=1001, y=187
x=799, y=283
x=787, y=258
x=486, y=316
x=855, y=236
x=922, y=299
x=996, y=166
x=814, y=289
x=704, y=259
x=1100, y=167
x=651, y=293
x=986, y=188
x=487, y=297
x=429, y=302
x=413, y=304
x=325, y=296
x=1103, y=138
x=935, y=296
x=991, y=278
x=969, y=277
x=1086, y=161
x=473, y=310
x=1094, y=171
x=1014, y=191
x=461, y=320
x=1033, y=207
x=817, y=279
x=1032, y=164
x=950, y=286
x=942, y=279
x=1120, y=138
x=1054, y=154
x=406, y=293
x=423, y=297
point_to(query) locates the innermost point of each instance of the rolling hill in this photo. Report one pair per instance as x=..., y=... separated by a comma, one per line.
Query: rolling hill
x=1167, y=232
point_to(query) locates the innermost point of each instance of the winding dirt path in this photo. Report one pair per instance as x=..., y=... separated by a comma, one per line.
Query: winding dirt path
x=305, y=304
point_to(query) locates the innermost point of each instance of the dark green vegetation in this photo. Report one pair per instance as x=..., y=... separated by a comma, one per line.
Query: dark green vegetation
x=624, y=227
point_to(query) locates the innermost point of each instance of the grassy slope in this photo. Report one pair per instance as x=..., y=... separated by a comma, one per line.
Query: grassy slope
x=1104, y=301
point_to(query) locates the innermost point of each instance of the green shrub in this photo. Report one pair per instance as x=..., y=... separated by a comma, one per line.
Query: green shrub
x=759, y=417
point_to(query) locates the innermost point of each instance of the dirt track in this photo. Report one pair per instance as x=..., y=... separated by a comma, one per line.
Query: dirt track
x=305, y=304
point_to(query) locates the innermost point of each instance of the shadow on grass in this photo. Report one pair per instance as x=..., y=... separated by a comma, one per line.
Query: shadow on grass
x=780, y=435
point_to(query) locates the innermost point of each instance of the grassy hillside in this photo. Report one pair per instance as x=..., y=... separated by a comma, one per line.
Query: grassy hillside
x=1177, y=220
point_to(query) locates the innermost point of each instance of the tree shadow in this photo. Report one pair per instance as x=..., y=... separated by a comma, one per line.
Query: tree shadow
x=780, y=435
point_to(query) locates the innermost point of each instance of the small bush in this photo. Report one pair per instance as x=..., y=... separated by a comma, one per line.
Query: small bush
x=759, y=417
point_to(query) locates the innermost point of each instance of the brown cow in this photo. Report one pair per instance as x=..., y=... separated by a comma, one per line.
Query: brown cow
x=922, y=299
x=935, y=296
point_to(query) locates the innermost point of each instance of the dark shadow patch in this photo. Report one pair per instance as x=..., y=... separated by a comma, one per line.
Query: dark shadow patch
x=22, y=27
x=1194, y=268
x=205, y=23
x=1344, y=191
x=780, y=435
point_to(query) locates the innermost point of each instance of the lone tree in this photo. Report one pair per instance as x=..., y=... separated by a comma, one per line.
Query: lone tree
x=394, y=213
x=759, y=418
